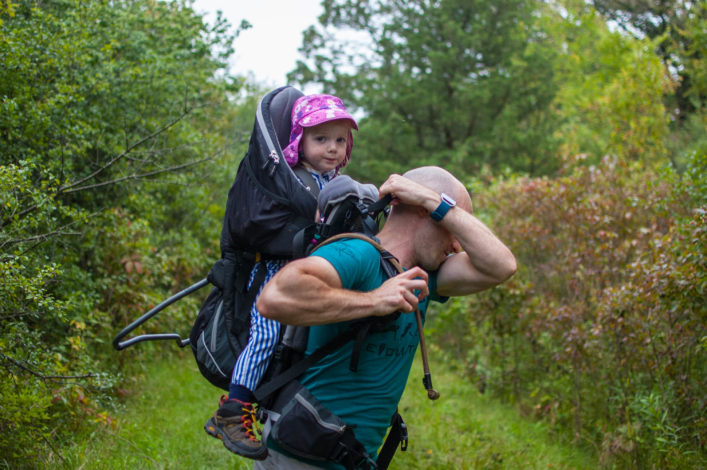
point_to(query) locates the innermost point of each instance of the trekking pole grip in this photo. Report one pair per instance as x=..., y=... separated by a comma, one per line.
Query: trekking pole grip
x=432, y=394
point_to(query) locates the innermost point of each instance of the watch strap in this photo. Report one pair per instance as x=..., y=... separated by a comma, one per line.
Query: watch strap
x=444, y=206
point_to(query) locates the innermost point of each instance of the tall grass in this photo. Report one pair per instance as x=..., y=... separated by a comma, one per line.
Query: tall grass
x=160, y=427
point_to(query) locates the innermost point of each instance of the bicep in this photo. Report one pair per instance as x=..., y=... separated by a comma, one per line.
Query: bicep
x=298, y=288
x=315, y=268
x=302, y=278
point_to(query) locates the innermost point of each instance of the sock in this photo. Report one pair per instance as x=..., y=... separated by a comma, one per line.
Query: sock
x=239, y=392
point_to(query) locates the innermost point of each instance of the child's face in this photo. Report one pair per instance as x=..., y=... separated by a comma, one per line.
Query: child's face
x=324, y=146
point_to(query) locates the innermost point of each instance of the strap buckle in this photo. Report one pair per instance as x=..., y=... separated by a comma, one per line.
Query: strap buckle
x=351, y=459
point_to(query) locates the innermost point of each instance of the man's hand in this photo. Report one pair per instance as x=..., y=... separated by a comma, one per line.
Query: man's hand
x=406, y=191
x=402, y=293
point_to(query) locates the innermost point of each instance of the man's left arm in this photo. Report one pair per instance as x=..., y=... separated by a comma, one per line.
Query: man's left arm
x=483, y=262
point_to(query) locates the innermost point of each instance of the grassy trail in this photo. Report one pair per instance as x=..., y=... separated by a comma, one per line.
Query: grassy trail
x=161, y=428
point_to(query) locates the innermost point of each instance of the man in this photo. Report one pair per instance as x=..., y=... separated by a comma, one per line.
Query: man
x=445, y=250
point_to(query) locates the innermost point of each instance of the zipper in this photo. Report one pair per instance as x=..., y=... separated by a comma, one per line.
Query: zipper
x=273, y=155
x=331, y=426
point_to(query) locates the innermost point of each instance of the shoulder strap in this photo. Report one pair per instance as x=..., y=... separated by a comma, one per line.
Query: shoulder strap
x=307, y=179
x=390, y=266
x=384, y=253
x=398, y=435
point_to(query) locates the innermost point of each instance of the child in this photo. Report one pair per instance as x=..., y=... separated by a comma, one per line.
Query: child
x=320, y=142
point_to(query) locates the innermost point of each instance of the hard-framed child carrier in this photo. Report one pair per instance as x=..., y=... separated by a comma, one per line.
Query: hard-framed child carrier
x=266, y=206
x=269, y=215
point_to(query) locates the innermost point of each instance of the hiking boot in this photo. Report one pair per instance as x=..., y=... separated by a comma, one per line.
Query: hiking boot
x=233, y=423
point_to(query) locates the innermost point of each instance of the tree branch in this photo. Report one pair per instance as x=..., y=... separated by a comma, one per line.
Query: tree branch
x=139, y=176
x=69, y=188
x=19, y=215
x=28, y=369
x=41, y=237
x=19, y=314
x=51, y=446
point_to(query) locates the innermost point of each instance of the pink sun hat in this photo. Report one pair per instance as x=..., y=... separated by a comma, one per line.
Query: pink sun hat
x=310, y=111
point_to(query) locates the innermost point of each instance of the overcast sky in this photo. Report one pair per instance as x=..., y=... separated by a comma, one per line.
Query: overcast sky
x=269, y=48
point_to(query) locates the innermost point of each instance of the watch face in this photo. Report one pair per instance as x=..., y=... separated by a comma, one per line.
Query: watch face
x=444, y=206
x=446, y=198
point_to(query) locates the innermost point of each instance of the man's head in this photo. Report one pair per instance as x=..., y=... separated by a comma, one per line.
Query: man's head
x=441, y=181
x=427, y=242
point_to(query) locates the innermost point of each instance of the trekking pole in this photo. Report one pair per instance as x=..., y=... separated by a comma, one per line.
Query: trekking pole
x=432, y=394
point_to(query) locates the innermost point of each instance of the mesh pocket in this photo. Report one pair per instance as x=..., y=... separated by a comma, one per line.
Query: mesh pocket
x=213, y=351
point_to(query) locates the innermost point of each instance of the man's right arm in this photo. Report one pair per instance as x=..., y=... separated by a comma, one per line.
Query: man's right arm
x=309, y=292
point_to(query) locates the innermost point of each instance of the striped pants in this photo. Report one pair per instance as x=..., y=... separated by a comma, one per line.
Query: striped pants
x=264, y=335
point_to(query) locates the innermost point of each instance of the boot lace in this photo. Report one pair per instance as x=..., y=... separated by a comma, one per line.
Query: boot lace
x=248, y=420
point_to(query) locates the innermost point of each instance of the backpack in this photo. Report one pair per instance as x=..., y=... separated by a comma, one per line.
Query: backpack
x=266, y=206
x=269, y=214
x=220, y=331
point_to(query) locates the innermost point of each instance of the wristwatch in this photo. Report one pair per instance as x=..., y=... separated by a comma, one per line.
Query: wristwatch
x=444, y=206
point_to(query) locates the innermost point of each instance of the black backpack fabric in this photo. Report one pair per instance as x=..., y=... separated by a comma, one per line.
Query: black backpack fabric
x=220, y=332
x=266, y=204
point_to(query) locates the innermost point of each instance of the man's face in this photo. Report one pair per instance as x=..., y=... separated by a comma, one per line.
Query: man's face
x=433, y=245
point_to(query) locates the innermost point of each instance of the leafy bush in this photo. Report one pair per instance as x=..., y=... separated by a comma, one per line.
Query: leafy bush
x=117, y=143
x=602, y=331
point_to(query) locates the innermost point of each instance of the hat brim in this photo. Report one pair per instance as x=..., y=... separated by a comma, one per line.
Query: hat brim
x=325, y=115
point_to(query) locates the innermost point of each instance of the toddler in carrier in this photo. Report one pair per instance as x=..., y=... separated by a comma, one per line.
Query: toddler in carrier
x=320, y=144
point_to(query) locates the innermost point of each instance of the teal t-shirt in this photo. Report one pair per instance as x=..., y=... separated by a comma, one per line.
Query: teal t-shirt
x=365, y=399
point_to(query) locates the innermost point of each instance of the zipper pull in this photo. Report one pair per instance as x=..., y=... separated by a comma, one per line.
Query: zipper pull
x=275, y=158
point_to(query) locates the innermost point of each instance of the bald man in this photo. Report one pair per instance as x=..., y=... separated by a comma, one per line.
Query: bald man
x=445, y=250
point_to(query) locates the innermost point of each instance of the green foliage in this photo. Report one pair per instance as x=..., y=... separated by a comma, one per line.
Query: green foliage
x=602, y=329
x=117, y=142
x=676, y=31
x=461, y=430
x=679, y=30
x=690, y=45
x=170, y=386
x=458, y=83
x=518, y=85
x=611, y=98
x=119, y=133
